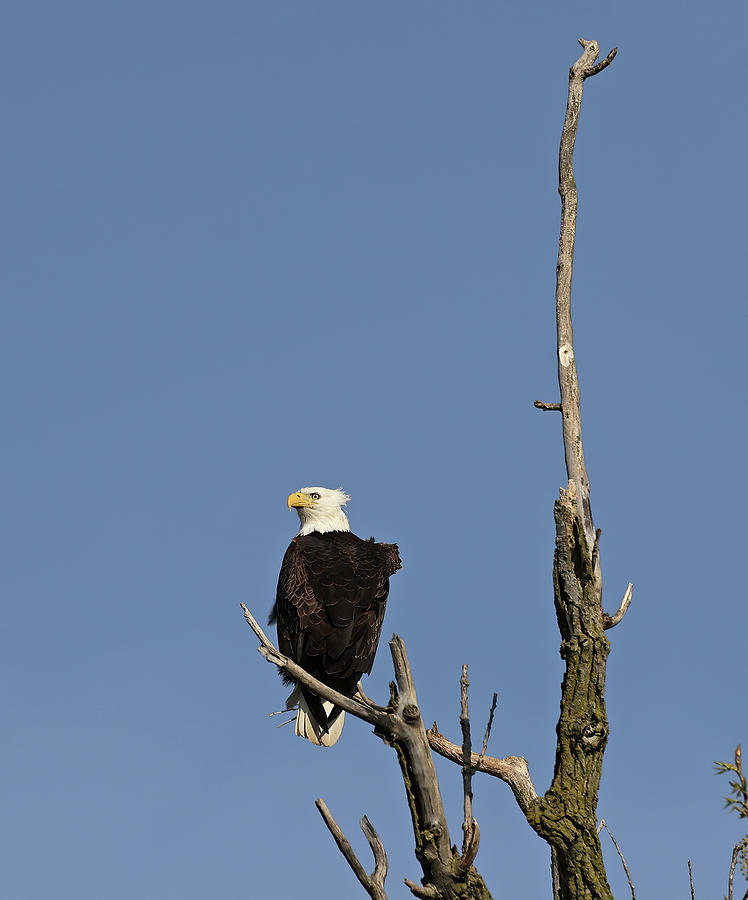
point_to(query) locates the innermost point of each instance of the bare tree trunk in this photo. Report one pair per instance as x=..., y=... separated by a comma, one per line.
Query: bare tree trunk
x=567, y=815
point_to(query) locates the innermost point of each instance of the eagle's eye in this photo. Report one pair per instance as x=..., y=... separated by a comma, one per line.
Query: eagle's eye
x=314, y=496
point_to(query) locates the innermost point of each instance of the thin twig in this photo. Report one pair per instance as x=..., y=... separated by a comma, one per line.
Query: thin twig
x=487, y=735
x=612, y=621
x=620, y=853
x=539, y=404
x=568, y=381
x=373, y=884
x=690, y=880
x=255, y=626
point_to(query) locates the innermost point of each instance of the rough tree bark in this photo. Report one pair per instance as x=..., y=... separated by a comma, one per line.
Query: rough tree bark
x=565, y=816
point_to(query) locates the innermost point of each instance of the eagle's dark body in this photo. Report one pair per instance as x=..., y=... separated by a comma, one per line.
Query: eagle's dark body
x=329, y=609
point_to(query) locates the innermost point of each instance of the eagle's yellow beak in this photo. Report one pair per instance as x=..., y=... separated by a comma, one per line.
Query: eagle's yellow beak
x=299, y=499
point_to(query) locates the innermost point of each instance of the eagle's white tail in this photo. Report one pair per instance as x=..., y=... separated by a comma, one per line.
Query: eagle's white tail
x=308, y=727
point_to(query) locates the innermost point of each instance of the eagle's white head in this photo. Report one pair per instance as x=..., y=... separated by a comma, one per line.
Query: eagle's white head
x=320, y=509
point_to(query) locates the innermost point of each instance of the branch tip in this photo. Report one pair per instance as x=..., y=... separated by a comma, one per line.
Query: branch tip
x=612, y=621
x=598, y=67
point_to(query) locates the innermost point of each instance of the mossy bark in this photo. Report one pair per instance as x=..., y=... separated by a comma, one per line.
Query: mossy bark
x=566, y=816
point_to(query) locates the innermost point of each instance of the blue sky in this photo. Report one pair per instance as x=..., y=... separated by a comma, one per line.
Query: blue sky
x=250, y=247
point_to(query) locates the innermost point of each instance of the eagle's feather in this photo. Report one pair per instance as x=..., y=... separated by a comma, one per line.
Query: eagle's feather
x=329, y=609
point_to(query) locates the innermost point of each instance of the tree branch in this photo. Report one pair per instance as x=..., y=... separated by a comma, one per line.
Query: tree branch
x=425, y=893
x=604, y=825
x=470, y=830
x=512, y=770
x=612, y=621
x=373, y=884
x=372, y=715
x=598, y=67
x=567, y=370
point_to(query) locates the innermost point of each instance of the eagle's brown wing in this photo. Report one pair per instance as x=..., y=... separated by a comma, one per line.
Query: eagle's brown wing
x=330, y=604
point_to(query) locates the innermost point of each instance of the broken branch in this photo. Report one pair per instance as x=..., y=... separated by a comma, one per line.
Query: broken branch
x=735, y=853
x=373, y=884
x=612, y=621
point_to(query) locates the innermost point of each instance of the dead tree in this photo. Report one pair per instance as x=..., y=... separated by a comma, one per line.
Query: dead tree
x=565, y=816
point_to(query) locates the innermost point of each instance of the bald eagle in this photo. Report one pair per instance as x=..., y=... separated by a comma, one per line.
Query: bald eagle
x=329, y=606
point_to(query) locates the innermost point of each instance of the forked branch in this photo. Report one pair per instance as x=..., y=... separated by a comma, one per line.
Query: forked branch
x=373, y=884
